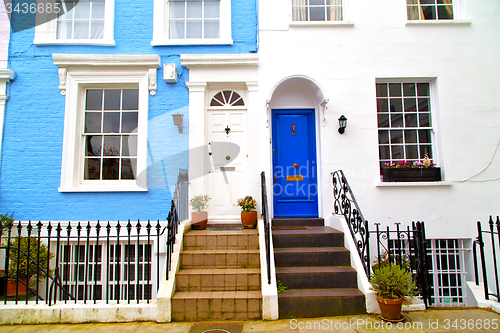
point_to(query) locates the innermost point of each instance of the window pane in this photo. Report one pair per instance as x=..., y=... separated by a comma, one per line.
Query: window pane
x=424, y=119
x=130, y=99
x=381, y=89
x=396, y=136
x=93, y=122
x=193, y=29
x=411, y=120
x=111, y=146
x=92, y=169
x=129, y=145
x=424, y=136
x=423, y=104
x=383, y=137
x=129, y=121
x=410, y=104
x=176, y=9
x=81, y=30
x=211, y=9
x=97, y=30
x=382, y=105
x=409, y=89
x=425, y=149
x=383, y=120
x=412, y=152
x=384, y=152
x=111, y=122
x=176, y=29
x=97, y=9
x=64, y=29
x=429, y=12
x=397, y=152
x=396, y=105
x=397, y=120
x=445, y=12
x=110, y=167
x=112, y=99
x=212, y=29
x=128, y=167
x=194, y=9
x=423, y=89
x=411, y=136
x=93, y=145
x=82, y=10
x=93, y=99
x=317, y=14
x=395, y=89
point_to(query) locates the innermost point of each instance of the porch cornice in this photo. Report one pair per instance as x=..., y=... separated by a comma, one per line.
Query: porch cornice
x=197, y=60
x=147, y=60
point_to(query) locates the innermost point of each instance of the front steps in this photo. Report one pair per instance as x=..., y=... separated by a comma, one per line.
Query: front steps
x=313, y=264
x=219, y=276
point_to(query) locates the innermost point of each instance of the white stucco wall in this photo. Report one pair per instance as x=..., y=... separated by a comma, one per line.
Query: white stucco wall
x=4, y=35
x=460, y=59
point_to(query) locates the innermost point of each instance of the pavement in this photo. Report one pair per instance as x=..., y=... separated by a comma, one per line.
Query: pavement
x=432, y=320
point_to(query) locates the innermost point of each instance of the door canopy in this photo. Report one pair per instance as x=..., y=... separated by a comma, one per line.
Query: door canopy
x=309, y=92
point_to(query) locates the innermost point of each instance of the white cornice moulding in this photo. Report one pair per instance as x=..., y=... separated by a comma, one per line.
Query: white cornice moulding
x=65, y=60
x=7, y=74
x=192, y=60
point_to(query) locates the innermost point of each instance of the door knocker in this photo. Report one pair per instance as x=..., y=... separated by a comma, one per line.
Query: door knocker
x=293, y=129
x=227, y=129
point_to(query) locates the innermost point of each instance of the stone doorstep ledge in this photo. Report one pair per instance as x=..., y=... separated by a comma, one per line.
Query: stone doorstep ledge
x=32, y=313
x=478, y=293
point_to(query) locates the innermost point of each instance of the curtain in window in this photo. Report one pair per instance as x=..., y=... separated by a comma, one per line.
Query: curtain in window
x=336, y=10
x=413, y=11
x=299, y=10
x=449, y=8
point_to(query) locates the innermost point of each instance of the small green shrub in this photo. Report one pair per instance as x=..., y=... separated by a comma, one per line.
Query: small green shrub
x=5, y=220
x=393, y=282
x=42, y=254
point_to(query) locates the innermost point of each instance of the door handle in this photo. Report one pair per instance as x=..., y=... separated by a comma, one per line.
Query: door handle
x=274, y=179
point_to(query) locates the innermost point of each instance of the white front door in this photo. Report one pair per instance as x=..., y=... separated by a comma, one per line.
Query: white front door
x=227, y=176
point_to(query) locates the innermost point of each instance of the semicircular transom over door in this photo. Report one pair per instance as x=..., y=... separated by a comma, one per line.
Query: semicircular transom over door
x=295, y=185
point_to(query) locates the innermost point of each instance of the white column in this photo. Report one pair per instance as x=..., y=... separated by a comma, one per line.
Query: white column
x=197, y=138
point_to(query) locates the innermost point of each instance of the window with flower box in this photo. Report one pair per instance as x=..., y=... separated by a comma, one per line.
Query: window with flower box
x=405, y=131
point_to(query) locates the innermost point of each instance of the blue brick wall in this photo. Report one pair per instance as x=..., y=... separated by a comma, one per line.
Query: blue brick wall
x=34, y=121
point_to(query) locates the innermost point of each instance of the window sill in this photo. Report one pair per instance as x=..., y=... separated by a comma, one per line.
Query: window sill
x=193, y=41
x=413, y=184
x=104, y=188
x=99, y=42
x=322, y=24
x=438, y=22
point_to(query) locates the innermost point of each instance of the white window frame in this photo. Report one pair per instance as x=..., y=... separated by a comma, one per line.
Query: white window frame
x=458, y=16
x=46, y=34
x=160, y=27
x=345, y=22
x=82, y=71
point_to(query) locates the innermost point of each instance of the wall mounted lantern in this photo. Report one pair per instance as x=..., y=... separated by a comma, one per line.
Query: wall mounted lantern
x=178, y=118
x=342, y=124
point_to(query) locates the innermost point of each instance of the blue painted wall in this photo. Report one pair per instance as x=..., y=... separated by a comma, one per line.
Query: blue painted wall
x=34, y=121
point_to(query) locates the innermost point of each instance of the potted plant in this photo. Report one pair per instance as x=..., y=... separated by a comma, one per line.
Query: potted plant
x=424, y=171
x=248, y=212
x=199, y=216
x=26, y=269
x=393, y=285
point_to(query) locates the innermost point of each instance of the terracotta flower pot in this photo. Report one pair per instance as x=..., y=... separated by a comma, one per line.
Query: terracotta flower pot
x=391, y=309
x=21, y=288
x=199, y=220
x=249, y=219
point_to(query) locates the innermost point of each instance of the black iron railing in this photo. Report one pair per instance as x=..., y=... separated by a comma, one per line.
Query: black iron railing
x=480, y=241
x=407, y=248
x=345, y=204
x=265, y=218
x=92, y=261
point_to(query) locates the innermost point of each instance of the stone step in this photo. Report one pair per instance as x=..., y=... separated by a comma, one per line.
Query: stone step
x=237, y=279
x=296, y=222
x=320, y=277
x=221, y=239
x=307, y=237
x=313, y=303
x=217, y=305
x=192, y=259
x=312, y=256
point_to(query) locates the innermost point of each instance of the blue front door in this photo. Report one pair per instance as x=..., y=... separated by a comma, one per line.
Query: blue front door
x=295, y=185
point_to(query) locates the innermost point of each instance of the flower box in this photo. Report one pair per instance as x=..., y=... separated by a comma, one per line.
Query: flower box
x=412, y=174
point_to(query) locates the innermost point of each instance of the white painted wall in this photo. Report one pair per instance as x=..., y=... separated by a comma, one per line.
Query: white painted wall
x=462, y=60
x=4, y=35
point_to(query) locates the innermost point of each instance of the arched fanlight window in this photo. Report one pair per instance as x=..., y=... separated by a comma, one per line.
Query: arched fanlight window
x=227, y=98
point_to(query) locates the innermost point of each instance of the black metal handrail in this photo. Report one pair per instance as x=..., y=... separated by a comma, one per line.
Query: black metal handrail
x=265, y=219
x=345, y=204
x=480, y=242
